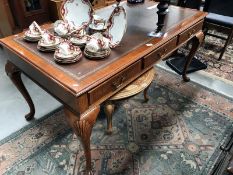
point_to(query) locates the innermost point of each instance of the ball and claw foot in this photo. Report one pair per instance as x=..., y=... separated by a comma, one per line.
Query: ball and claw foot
x=146, y=97
x=29, y=116
x=185, y=78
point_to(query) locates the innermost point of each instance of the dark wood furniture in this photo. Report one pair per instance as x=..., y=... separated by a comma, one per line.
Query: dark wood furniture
x=7, y=24
x=84, y=86
x=27, y=11
x=54, y=10
x=220, y=17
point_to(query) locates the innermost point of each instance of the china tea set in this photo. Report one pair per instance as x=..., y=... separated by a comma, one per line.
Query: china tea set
x=80, y=29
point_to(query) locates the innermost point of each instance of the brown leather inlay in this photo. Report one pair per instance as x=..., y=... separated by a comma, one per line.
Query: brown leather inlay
x=139, y=25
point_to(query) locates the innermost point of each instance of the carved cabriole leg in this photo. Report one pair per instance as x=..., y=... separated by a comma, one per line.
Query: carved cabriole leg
x=15, y=75
x=109, y=109
x=82, y=126
x=197, y=40
x=146, y=98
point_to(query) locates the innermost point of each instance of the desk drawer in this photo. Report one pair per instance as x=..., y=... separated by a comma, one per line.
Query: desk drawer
x=187, y=34
x=115, y=83
x=159, y=53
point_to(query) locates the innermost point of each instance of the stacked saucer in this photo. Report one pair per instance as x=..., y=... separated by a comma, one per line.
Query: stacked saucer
x=64, y=28
x=97, y=47
x=28, y=36
x=33, y=34
x=67, y=53
x=48, y=42
x=79, y=40
x=97, y=55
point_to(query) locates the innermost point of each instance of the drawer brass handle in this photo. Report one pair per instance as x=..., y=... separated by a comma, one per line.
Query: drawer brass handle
x=162, y=53
x=191, y=32
x=119, y=82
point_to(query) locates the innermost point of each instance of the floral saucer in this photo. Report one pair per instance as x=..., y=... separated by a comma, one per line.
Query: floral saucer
x=67, y=53
x=31, y=38
x=79, y=40
x=97, y=47
x=97, y=55
x=29, y=34
x=98, y=27
x=66, y=61
x=48, y=40
x=46, y=49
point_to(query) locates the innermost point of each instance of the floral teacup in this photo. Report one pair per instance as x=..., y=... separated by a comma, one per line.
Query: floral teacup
x=33, y=33
x=35, y=29
x=61, y=28
x=98, y=23
x=47, y=39
x=97, y=43
x=66, y=50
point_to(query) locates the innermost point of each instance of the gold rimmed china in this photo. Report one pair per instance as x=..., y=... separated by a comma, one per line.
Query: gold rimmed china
x=33, y=34
x=97, y=55
x=97, y=47
x=77, y=12
x=67, y=53
x=116, y=26
x=48, y=42
x=79, y=40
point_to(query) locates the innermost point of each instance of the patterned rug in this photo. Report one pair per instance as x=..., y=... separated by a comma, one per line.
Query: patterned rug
x=209, y=53
x=178, y=131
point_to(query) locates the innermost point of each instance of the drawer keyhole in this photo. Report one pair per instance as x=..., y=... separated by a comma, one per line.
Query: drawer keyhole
x=118, y=83
x=191, y=33
x=162, y=53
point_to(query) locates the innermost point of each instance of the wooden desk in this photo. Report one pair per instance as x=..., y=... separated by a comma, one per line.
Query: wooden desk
x=83, y=86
